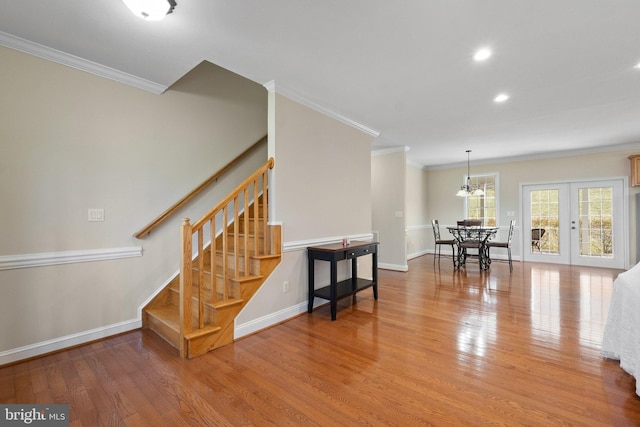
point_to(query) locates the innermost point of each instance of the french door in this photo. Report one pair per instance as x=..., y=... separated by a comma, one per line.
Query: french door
x=579, y=223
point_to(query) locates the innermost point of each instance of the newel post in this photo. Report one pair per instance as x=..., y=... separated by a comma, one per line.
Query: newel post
x=185, y=283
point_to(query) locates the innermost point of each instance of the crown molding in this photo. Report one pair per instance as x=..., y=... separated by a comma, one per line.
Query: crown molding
x=389, y=150
x=542, y=155
x=314, y=105
x=25, y=46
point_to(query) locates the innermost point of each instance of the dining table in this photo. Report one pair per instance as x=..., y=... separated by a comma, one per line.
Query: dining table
x=472, y=237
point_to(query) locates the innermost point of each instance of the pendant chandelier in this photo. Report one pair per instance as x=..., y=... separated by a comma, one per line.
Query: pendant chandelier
x=466, y=190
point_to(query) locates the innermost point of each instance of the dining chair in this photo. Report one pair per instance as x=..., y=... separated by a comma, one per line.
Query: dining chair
x=469, y=241
x=440, y=242
x=467, y=244
x=536, y=236
x=507, y=245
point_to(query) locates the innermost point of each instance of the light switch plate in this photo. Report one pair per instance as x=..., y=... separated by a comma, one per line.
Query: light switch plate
x=95, y=215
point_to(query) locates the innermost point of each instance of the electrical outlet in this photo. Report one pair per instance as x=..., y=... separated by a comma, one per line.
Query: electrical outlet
x=285, y=287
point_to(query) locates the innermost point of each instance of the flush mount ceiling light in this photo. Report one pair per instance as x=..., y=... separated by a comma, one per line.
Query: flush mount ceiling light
x=466, y=190
x=482, y=54
x=150, y=10
x=502, y=97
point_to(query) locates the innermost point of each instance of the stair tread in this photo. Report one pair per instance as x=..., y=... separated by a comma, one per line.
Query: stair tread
x=204, y=331
x=228, y=303
x=168, y=314
x=267, y=256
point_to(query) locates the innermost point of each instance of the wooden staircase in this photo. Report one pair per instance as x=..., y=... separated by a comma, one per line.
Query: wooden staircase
x=196, y=311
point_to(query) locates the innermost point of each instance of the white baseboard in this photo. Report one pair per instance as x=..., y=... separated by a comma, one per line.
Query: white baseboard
x=270, y=320
x=417, y=254
x=44, y=347
x=395, y=267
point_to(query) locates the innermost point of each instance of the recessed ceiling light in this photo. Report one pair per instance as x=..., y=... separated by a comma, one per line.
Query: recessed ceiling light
x=482, y=54
x=502, y=97
x=637, y=66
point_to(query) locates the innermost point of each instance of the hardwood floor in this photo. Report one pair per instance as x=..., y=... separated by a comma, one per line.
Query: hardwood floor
x=438, y=348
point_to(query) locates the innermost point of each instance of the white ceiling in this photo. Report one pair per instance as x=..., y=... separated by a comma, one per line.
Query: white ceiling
x=401, y=68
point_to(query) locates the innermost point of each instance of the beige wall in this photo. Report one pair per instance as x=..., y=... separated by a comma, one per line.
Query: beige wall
x=321, y=192
x=418, y=221
x=323, y=186
x=388, y=182
x=70, y=141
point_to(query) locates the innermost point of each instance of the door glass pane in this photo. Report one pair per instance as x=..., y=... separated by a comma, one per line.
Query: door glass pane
x=545, y=213
x=595, y=207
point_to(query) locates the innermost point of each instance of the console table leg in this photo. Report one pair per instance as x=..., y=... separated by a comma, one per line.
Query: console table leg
x=310, y=269
x=374, y=274
x=334, y=290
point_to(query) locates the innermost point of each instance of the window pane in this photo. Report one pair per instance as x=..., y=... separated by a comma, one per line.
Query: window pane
x=483, y=207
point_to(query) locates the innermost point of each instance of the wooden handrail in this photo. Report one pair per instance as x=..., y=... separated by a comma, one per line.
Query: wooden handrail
x=166, y=214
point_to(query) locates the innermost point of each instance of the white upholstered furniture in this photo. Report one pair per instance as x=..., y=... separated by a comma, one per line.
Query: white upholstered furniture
x=621, y=340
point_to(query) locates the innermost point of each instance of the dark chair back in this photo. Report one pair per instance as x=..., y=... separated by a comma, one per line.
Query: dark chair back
x=511, y=226
x=470, y=222
x=436, y=229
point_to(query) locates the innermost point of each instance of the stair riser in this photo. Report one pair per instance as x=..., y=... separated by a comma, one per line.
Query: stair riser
x=238, y=292
x=251, y=242
x=249, y=225
x=209, y=311
x=201, y=345
x=260, y=211
x=254, y=265
x=233, y=287
x=167, y=333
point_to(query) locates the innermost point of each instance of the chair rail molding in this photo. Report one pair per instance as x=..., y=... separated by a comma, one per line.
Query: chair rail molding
x=10, y=262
